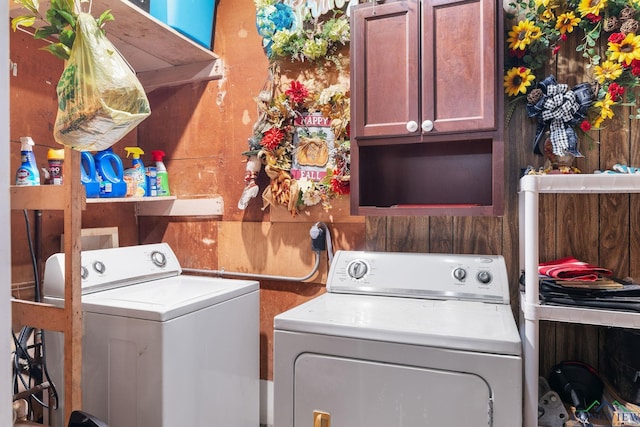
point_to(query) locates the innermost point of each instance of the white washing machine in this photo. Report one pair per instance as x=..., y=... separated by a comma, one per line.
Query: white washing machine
x=160, y=349
x=401, y=340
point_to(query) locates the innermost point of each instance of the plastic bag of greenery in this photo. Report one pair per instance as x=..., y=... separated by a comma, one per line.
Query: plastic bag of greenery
x=100, y=99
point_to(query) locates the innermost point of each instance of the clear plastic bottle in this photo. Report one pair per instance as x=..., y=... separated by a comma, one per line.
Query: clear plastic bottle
x=27, y=173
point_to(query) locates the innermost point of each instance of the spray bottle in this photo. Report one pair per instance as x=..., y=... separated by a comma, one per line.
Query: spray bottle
x=27, y=173
x=162, y=175
x=137, y=171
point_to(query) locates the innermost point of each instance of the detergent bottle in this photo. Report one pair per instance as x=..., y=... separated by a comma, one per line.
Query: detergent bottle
x=27, y=173
x=110, y=174
x=88, y=175
x=137, y=171
x=161, y=172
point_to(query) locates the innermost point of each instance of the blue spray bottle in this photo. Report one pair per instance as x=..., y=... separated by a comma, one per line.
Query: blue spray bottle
x=27, y=173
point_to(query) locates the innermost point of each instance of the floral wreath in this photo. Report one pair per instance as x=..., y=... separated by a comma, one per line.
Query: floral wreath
x=283, y=37
x=537, y=38
x=280, y=133
x=273, y=144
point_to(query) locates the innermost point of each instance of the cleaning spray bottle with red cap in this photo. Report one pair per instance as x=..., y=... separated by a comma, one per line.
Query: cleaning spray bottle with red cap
x=162, y=175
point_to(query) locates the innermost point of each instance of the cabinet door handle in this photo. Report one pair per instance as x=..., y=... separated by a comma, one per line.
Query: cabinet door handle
x=412, y=126
x=427, y=126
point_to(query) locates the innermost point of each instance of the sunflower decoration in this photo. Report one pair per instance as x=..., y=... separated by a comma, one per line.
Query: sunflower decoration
x=277, y=140
x=544, y=26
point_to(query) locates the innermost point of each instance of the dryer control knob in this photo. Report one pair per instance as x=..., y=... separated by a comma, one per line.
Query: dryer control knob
x=484, y=277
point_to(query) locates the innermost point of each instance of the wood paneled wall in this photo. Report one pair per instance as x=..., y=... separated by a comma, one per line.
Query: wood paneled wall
x=204, y=127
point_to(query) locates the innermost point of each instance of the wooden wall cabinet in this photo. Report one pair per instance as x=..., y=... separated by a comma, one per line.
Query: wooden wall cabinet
x=427, y=104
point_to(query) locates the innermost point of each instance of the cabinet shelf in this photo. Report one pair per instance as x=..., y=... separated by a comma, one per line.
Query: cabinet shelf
x=531, y=186
x=160, y=55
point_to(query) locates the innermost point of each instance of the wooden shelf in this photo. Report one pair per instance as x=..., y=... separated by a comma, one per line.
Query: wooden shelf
x=160, y=55
x=200, y=207
x=162, y=199
x=68, y=320
x=40, y=197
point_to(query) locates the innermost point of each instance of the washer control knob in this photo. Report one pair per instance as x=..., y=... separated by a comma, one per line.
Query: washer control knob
x=357, y=269
x=84, y=273
x=99, y=267
x=158, y=258
x=484, y=277
x=460, y=274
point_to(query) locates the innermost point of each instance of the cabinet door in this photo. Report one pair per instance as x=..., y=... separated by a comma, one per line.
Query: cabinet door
x=385, y=85
x=459, y=75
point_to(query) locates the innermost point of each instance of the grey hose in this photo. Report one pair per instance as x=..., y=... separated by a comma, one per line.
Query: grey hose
x=222, y=273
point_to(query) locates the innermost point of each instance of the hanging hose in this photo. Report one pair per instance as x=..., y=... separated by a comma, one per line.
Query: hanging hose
x=320, y=241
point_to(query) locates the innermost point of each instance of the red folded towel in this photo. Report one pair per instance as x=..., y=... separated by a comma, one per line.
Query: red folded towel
x=572, y=269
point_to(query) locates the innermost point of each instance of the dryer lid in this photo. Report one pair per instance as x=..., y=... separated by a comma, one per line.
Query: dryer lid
x=452, y=324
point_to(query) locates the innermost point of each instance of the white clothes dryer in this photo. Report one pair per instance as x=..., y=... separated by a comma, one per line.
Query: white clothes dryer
x=160, y=349
x=399, y=340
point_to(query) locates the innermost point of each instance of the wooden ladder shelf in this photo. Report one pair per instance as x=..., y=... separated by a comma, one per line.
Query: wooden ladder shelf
x=70, y=198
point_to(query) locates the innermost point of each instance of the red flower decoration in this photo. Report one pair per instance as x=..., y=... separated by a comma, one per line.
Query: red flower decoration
x=555, y=50
x=635, y=67
x=339, y=186
x=585, y=126
x=517, y=53
x=616, y=38
x=297, y=92
x=272, y=138
x=593, y=18
x=616, y=91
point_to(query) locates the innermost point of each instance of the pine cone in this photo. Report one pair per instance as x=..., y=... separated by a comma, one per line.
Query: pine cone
x=630, y=26
x=534, y=96
x=611, y=24
x=627, y=13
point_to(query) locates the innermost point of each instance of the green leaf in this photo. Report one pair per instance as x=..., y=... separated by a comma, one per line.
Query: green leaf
x=105, y=17
x=44, y=32
x=22, y=21
x=32, y=5
x=58, y=50
x=63, y=5
x=67, y=37
x=69, y=17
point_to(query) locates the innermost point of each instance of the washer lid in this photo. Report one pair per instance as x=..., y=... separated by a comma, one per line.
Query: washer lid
x=460, y=325
x=165, y=299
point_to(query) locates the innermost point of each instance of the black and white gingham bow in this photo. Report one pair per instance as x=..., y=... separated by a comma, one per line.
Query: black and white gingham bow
x=558, y=109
